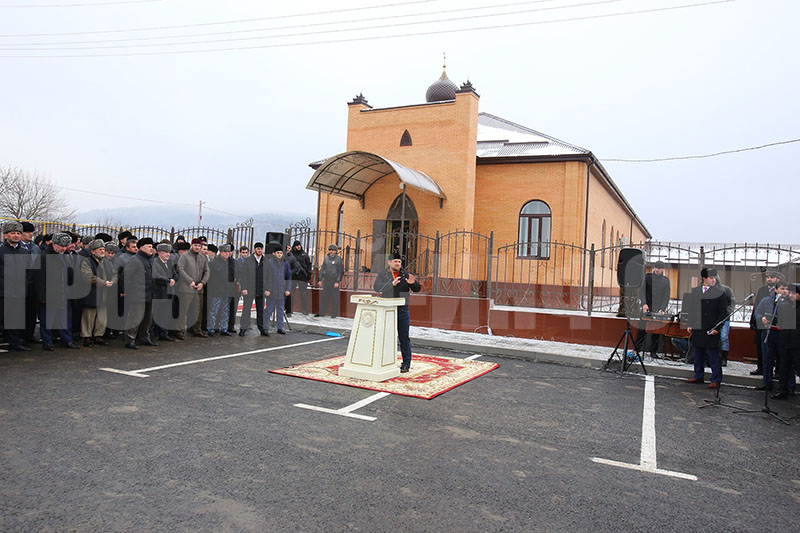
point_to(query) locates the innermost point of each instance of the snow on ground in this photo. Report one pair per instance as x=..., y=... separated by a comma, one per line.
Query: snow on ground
x=535, y=345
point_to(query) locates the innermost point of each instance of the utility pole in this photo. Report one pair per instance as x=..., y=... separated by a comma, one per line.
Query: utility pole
x=200, y=215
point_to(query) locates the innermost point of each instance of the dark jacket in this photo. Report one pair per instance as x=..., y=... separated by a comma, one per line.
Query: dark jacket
x=14, y=279
x=383, y=285
x=222, y=278
x=767, y=307
x=138, y=279
x=332, y=269
x=789, y=322
x=303, y=272
x=51, y=279
x=655, y=292
x=278, y=276
x=162, y=273
x=764, y=291
x=253, y=277
x=706, y=310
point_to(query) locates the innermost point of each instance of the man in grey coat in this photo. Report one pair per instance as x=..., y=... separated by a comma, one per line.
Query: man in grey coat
x=192, y=278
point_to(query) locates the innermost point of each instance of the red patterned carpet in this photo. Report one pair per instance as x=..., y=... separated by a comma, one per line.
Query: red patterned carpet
x=429, y=377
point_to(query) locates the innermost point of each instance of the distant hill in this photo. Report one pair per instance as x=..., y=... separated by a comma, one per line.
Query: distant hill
x=179, y=217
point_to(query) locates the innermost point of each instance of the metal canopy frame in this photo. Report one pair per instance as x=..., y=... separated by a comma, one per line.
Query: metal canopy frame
x=351, y=174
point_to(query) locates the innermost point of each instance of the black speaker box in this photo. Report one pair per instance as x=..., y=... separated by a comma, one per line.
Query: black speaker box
x=630, y=267
x=274, y=236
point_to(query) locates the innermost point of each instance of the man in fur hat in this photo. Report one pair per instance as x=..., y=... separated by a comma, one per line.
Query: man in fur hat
x=221, y=287
x=15, y=262
x=51, y=281
x=278, y=278
x=708, y=307
x=301, y=277
x=101, y=276
x=192, y=279
x=330, y=272
x=137, y=279
x=165, y=276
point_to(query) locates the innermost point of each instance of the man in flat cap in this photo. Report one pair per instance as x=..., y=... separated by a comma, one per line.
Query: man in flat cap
x=192, y=279
x=395, y=282
x=15, y=264
x=137, y=278
x=253, y=282
x=51, y=283
x=330, y=273
x=771, y=277
x=102, y=277
x=708, y=307
x=31, y=305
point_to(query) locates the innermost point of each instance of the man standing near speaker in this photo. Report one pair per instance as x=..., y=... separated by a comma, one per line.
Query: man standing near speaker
x=654, y=296
x=708, y=307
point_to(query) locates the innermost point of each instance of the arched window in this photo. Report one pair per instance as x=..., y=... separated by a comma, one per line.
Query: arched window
x=534, y=230
x=339, y=217
x=405, y=139
x=602, y=246
x=611, y=251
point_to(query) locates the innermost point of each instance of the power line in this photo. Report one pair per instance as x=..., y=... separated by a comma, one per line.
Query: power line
x=355, y=39
x=304, y=34
x=201, y=24
x=101, y=4
x=703, y=156
x=309, y=25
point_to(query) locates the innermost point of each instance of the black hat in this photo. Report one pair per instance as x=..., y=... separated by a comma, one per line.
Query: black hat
x=144, y=241
x=73, y=236
x=203, y=238
x=124, y=235
x=258, y=245
x=213, y=248
x=182, y=246
x=296, y=243
x=794, y=287
x=395, y=255
x=659, y=264
x=38, y=239
x=27, y=226
x=105, y=237
x=180, y=238
x=708, y=273
x=47, y=237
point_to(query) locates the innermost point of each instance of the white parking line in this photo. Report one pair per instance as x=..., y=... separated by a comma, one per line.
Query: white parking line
x=471, y=357
x=140, y=373
x=647, y=457
x=348, y=411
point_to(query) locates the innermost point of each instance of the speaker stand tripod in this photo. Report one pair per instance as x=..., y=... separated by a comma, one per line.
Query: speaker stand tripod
x=766, y=409
x=625, y=339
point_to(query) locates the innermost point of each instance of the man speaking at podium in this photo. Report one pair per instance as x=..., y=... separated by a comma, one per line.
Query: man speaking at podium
x=394, y=282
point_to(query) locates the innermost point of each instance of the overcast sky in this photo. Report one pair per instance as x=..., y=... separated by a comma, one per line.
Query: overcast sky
x=237, y=128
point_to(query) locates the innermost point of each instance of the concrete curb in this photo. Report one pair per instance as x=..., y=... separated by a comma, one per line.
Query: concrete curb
x=543, y=357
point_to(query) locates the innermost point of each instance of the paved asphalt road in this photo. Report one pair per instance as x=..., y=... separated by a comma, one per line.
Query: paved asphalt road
x=218, y=446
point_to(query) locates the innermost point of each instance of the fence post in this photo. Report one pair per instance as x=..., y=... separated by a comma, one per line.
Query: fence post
x=436, y=264
x=591, y=281
x=489, y=265
x=702, y=258
x=172, y=234
x=357, y=262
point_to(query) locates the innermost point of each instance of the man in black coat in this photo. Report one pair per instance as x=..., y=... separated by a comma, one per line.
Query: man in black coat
x=654, y=296
x=51, y=282
x=165, y=276
x=15, y=262
x=331, y=272
x=789, y=343
x=137, y=277
x=708, y=307
x=253, y=281
x=302, y=276
x=771, y=277
x=394, y=282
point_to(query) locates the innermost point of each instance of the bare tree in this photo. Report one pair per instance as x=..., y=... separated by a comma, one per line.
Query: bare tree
x=30, y=196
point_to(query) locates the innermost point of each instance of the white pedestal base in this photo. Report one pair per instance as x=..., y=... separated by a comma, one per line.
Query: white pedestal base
x=372, y=349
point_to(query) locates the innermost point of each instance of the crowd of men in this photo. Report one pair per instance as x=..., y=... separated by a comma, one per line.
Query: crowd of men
x=707, y=310
x=87, y=290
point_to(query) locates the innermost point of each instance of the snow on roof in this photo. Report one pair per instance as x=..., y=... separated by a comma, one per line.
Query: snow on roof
x=498, y=137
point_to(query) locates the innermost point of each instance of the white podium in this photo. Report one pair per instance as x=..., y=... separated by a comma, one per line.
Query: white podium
x=372, y=350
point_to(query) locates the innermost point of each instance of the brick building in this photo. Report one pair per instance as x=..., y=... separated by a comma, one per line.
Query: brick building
x=442, y=166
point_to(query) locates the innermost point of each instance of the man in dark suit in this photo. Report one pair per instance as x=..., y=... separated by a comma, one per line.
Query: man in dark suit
x=253, y=282
x=789, y=343
x=771, y=277
x=708, y=307
x=654, y=296
x=395, y=282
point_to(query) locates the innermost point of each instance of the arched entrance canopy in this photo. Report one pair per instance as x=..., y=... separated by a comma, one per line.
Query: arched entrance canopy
x=351, y=174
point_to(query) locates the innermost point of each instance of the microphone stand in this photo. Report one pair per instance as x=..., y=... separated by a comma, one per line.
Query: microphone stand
x=717, y=401
x=767, y=389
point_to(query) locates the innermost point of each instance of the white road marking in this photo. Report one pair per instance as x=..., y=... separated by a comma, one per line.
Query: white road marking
x=348, y=411
x=141, y=372
x=647, y=457
x=471, y=357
